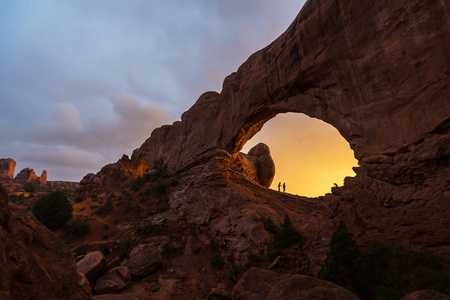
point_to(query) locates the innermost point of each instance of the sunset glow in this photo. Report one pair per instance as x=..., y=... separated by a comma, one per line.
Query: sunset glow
x=310, y=155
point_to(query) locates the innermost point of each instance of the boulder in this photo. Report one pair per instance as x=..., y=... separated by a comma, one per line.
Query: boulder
x=218, y=294
x=426, y=295
x=143, y=260
x=257, y=165
x=113, y=281
x=92, y=265
x=7, y=167
x=262, y=284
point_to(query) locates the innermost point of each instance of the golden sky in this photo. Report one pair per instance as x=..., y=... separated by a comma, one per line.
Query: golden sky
x=310, y=155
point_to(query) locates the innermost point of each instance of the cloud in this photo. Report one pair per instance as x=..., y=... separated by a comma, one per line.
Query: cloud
x=61, y=60
x=64, y=141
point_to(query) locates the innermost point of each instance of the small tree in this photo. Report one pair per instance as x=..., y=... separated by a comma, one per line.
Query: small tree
x=53, y=210
x=339, y=266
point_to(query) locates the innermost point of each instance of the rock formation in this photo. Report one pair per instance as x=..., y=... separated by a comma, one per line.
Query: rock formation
x=34, y=264
x=257, y=164
x=7, y=167
x=28, y=175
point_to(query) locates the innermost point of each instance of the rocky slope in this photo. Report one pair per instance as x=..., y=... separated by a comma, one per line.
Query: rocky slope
x=34, y=263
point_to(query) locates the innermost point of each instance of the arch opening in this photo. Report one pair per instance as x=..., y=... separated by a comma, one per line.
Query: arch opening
x=310, y=155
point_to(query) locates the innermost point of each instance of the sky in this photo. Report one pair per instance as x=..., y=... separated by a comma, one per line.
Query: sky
x=83, y=82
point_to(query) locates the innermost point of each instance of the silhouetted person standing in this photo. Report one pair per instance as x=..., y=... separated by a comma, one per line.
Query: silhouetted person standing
x=279, y=186
x=284, y=187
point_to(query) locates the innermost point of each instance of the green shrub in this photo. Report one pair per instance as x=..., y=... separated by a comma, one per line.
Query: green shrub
x=81, y=250
x=163, y=206
x=166, y=249
x=53, y=210
x=106, y=208
x=287, y=236
x=339, y=266
x=197, y=250
x=29, y=187
x=161, y=188
x=216, y=261
x=104, y=249
x=147, y=228
x=74, y=229
x=138, y=183
x=269, y=226
x=124, y=245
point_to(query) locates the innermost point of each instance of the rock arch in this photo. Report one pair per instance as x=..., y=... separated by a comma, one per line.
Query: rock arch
x=378, y=72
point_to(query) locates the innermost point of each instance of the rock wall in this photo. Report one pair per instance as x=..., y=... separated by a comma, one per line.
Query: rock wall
x=34, y=264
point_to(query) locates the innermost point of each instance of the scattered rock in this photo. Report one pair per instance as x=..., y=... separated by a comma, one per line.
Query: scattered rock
x=113, y=281
x=92, y=265
x=143, y=260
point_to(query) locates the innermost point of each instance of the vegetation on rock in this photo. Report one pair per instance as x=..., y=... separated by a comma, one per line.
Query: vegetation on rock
x=53, y=210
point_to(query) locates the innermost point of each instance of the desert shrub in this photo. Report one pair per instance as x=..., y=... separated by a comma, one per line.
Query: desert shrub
x=138, y=183
x=216, y=261
x=386, y=271
x=125, y=244
x=161, y=188
x=197, y=250
x=29, y=187
x=74, y=229
x=269, y=226
x=104, y=249
x=287, y=236
x=163, y=206
x=78, y=200
x=147, y=228
x=106, y=208
x=339, y=266
x=166, y=249
x=81, y=250
x=213, y=245
x=16, y=198
x=53, y=210
x=234, y=273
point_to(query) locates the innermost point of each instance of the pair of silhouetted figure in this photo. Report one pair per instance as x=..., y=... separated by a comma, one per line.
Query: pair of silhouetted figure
x=284, y=187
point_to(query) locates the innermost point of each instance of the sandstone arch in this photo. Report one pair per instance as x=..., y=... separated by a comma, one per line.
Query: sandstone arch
x=378, y=72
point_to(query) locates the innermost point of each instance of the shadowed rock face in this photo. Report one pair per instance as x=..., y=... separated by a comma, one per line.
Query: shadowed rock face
x=376, y=71
x=34, y=264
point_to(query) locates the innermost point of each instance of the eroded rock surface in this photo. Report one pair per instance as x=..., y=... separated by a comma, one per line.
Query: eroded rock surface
x=7, y=167
x=92, y=265
x=34, y=264
x=143, y=260
x=113, y=281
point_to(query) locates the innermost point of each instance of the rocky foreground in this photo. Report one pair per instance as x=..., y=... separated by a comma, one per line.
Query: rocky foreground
x=377, y=71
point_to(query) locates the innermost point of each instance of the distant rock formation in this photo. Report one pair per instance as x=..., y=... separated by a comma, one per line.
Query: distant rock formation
x=7, y=167
x=34, y=263
x=28, y=175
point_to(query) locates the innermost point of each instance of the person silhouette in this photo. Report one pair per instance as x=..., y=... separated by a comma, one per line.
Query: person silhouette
x=279, y=186
x=284, y=187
